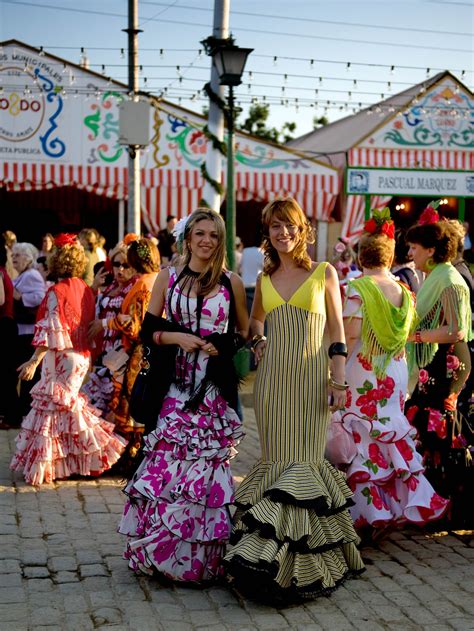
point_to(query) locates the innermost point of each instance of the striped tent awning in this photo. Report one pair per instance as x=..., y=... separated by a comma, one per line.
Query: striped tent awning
x=354, y=219
x=440, y=159
x=176, y=191
x=412, y=159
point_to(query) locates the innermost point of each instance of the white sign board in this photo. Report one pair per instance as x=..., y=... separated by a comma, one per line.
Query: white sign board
x=409, y=182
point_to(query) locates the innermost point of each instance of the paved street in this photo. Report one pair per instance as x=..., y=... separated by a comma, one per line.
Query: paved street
x=61, y=568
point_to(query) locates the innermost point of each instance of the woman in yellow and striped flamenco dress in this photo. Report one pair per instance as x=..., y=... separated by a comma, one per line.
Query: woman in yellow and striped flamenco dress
x=293, y=537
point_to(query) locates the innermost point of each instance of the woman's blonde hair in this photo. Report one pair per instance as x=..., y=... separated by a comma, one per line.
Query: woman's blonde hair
x=68, y=261
x=376, y=250
x=288, y=210
x=210, y=276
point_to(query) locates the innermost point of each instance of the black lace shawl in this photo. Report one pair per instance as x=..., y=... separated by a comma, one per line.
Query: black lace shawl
x=220, y=370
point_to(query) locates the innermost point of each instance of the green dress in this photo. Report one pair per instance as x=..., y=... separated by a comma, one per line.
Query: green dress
x=293, y=537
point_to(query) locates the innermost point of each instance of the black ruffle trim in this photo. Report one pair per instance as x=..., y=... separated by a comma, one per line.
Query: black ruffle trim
x=268, y=532
x=256, y=582
x=319, y=504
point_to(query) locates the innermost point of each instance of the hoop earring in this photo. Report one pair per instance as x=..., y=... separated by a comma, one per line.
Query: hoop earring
x=430, y=263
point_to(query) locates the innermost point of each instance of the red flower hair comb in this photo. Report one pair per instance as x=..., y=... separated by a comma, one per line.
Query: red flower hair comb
x=381, y=223
x=65, y=238
x=429, y=215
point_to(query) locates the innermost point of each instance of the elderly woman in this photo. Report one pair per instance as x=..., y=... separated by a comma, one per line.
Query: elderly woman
x=62, y=436
x=29, y=289
x=386, y=474
x=439, y=348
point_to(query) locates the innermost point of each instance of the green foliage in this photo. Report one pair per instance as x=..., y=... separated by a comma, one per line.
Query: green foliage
x=320, y=121
x=256, y=124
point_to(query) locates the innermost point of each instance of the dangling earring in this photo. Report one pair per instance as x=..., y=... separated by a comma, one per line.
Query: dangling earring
x=430, y=263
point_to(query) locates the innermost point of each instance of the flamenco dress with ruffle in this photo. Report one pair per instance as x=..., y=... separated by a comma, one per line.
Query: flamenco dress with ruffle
x=63, y=435
x=100, y=388
x=177, y=514
x=386, y=474
x=293, y=537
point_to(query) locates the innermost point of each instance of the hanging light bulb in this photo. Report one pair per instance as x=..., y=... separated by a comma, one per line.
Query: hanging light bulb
x=392, y=69
x=41, y=51
x=275, y=61
x=122, y=53
x=348, y=66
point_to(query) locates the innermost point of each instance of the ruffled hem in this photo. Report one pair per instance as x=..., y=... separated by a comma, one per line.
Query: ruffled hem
x=293, y=538
x=177, y=516
x=163, y=553
x=266, y=571
x=318, y=486
x=45, y=458
x=205, y=434
x=386, y=476
x=99, y=390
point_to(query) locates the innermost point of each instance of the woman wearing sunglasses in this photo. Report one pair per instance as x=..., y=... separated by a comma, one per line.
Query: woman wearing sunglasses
x=142, y=264
x=111, y=290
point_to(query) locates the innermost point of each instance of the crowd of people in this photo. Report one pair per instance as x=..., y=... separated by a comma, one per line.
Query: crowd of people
x=363, y=393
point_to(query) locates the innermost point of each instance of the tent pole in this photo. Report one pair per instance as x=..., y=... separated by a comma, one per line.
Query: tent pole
x=215, y=117
x=121, y=219
x=134, y=215
x=461, y=209
x=367, y=207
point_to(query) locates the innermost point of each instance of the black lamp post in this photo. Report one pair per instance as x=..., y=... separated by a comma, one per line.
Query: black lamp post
x=229, y=61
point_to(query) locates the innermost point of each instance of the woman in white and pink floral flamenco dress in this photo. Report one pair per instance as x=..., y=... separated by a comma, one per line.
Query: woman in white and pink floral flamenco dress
x=386, y=475
x=177, y=514
x=62, y=435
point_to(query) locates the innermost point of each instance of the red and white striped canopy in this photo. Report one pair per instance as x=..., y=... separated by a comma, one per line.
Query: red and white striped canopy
x=354, y=219
x=166, y=191
x=411, y=158
x=441, y=159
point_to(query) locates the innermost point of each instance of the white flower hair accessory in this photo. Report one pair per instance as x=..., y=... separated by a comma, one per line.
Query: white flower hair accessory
x=178, y=233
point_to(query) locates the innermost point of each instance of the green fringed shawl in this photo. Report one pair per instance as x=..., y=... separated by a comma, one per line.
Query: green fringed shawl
x=443, y=292
x=385, y=328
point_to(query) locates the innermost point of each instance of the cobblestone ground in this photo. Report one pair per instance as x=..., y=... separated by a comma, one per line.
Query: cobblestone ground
x=61, y=568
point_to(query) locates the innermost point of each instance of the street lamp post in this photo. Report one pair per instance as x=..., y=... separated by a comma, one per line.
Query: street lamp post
x=229, y=61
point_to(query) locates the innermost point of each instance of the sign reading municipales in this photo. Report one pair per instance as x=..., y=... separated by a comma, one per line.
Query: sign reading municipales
x=409, y=182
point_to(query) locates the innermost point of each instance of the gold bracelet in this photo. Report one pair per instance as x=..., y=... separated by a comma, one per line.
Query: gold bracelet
x=336, y=385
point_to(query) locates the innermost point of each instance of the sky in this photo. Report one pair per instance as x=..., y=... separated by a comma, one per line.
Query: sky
x=310, y=58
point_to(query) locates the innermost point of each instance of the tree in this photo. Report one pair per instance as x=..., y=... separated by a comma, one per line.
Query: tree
x=256, y=124
x=320, y=121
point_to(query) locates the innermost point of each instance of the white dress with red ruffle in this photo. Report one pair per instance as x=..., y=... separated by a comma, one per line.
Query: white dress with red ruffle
x=386, y=475
x=62, y=435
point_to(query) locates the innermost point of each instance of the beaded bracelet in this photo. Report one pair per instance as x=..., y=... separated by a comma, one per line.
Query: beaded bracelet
x=157, y=336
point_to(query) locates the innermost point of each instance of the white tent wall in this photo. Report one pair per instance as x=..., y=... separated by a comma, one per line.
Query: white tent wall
x=59, y=127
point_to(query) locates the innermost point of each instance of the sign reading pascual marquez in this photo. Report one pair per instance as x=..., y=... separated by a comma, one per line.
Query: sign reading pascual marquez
x=405, y=182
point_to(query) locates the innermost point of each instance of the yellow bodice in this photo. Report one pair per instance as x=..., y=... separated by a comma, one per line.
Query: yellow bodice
x=309, y=295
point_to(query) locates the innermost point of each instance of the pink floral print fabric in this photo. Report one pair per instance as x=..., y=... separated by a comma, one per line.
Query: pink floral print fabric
x=177, y=514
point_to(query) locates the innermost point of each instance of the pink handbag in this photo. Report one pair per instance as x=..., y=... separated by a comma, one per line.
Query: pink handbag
x=340, y=445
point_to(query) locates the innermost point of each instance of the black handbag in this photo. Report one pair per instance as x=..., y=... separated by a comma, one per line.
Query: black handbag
x=151, y=385
x=141, y=405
